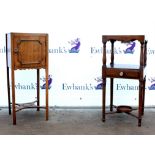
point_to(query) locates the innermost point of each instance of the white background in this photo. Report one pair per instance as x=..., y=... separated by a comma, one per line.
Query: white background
x=64, y=20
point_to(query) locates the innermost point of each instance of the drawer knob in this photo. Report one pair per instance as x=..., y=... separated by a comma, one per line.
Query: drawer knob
x=121, y=73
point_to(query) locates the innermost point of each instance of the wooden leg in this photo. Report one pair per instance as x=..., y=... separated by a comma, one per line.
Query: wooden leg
x=111, y=93
x=13, y=97
x=8, y=87
x=143, y=96
x=140, y=102
x=46, y=72
x=38, y=89
x=103, y=99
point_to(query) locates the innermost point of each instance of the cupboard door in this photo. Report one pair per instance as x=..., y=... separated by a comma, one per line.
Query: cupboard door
x=29, y=52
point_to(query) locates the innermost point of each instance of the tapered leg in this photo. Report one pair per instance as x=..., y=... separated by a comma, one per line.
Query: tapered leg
x=143, y=96
x=111, y=93
x=13, y=97
x=8, y=87
x=46, y=72
x=103, y=99
x=140, y=102
x=38, y=89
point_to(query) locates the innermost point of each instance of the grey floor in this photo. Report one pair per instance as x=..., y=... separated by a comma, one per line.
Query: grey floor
x=71, y=121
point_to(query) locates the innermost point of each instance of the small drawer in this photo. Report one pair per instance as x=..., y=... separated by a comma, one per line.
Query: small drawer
x=123, y=73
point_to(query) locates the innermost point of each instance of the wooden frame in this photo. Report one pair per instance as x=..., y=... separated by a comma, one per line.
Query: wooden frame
x=127, y=72
x=29, y=48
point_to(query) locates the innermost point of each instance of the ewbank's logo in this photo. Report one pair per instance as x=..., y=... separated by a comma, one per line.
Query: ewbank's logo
x=152, y=83
x=127, y=48
x=75, y=45
x=44, y=82
x=130, y=48
x=99, y=83
x=33, y=86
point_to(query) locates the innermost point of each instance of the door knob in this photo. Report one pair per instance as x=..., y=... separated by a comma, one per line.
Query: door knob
x=16, y=50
